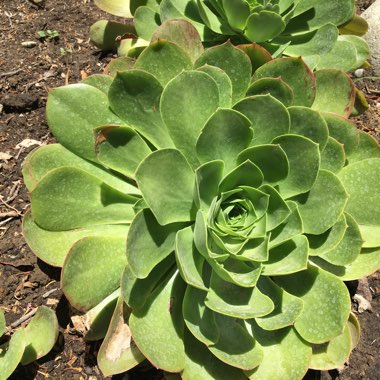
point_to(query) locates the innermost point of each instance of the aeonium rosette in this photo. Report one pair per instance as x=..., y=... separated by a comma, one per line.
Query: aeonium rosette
x=241, y=194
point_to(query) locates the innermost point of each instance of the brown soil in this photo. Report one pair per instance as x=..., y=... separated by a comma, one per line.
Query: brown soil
x=26, y=75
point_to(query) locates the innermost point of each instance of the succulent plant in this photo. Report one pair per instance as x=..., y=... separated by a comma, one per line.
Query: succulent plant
x=30, y=343
x=326, y=33
x=215, y=201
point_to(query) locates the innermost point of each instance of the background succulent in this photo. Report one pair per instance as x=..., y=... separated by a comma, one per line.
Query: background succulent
x=241, y=193
x=30, y=343
x=306, y=28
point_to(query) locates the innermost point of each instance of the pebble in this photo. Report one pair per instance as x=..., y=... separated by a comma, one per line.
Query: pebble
x=359, y=73
x=29, y=44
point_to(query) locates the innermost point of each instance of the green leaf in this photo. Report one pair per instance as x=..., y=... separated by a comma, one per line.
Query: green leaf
x=295, y=73
x=370, y=236
x=322, y=243
x=368, y=147
x=146, y=21
x=118, y=353
x=342, y=56
x=99, y=81
x=71, y=123
x=287, y=258
x=136, y=291
x=160, y=320
x=356, y=26
x=11, y=354
x=364, y=265
x=135, y=97
x=208, y=177
x=257, y=54
x=286, y=310
x=268, y=116
x=167, y=183
x=224, y=125
x=236, y=346
x=329, y=191
x=335, y=92
x=277, y=210
x=303, y=169
x=316, y=42
x=183, y=34
x=121, y=149
x=46, y=158
x=264, y=26
x=286, y=355
x=333, y=157
x=237, y=13
x=332, y=354
x=164, y=60
x=233, y=300
x=189, y=260
x=228, y=58
x=186, y=104
x=102, y=270
x=361, y=48
x=211, y=20
x=319, y=321
x=53, y=246
x=40, y=335
x=148, y=242
x=273, y=86
x=348, y=248
x=290, y=228
x=344, y=131
x=324, y=12
x=199, y=319
x=223, y=82
x=309, y=123
x=361, y=182
x=115, y=7
x=200, y=363
x=69, y=198
x=119, y=64
x=270, y=159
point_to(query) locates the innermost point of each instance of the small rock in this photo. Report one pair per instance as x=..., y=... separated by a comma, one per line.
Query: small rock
x=19, y=102
x=27, y=143
x=359, y=73
x=29, y=44
x=363, y=304
x=5, y=156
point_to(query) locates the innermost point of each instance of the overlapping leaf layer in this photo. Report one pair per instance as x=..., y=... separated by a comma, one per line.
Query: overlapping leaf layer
x=306, y=28
x=241, y=193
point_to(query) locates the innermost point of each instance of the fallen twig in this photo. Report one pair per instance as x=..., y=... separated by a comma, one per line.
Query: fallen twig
x=24, y=318
x=10, y=73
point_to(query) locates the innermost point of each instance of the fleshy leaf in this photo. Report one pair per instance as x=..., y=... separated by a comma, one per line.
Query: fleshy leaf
x=189, y=260
x=319, y=322
x=303, y=169
x=295, y=73
x=235, y=301
x=236, y=346
x=104, y=259
x=332, y=354
x=69, y=119
x=68, y=198
x=167, y=183
x=268, y=116
x=164, y=60
x=186, y=104
x=160, y=320
x=11, y=354
x=287, y=308
x=40, y=335
x=148, y=242
x=224, y=125
x=121, y=149
x=115, y=7
x=229, y=58
x=333, y=156
x=329, y=191
x=264, y=26
x=53, y=246
x=118, y=352
x=334, y=84
x=135, y=97
x=286, y=354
